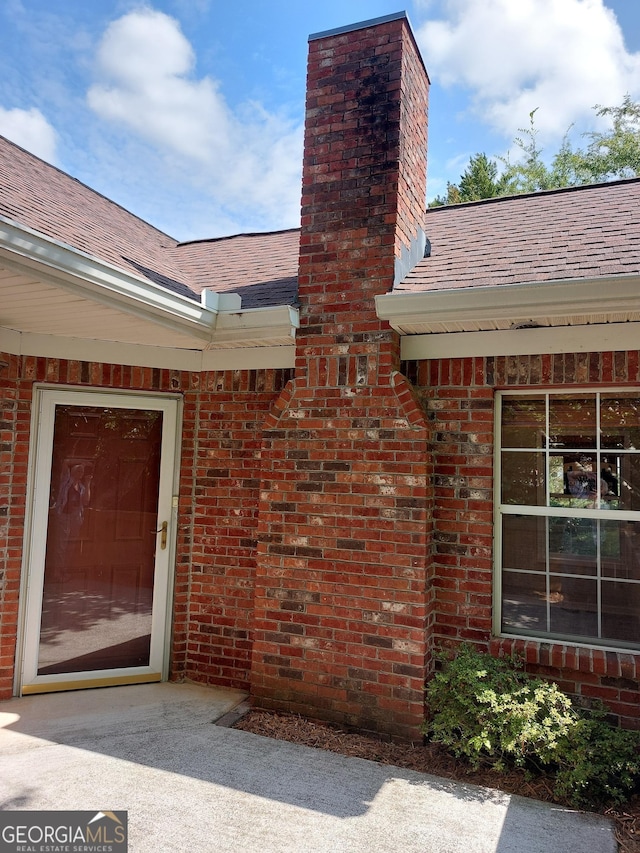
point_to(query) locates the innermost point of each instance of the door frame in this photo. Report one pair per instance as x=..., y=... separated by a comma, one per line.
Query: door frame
x=45, y=399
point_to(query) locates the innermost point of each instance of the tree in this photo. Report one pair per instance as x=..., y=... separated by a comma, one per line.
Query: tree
x=479, y=180
x=530, y=174
x=616, y=153
x=452, y=197
x=610, y=155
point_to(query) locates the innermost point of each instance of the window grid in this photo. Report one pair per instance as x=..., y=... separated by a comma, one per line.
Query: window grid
x=597, y=514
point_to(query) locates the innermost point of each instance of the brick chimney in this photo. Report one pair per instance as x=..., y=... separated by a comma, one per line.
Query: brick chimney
x=343, y=602
x=364, y=180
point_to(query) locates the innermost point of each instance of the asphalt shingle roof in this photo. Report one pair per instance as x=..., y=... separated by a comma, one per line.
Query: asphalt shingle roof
x=51, y=202
x=578, y=232
x=262, y=267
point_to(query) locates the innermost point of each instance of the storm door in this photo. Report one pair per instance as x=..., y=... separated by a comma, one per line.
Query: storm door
x=100, y=540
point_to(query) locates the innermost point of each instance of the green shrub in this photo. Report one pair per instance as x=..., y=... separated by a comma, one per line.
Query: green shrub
x=596, y=764
x=489, y=712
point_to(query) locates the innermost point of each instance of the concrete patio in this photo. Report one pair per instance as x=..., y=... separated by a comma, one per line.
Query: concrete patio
x=190, y=785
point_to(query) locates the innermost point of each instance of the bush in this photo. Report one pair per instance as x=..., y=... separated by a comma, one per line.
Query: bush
x=490, y=712
x=596, y=764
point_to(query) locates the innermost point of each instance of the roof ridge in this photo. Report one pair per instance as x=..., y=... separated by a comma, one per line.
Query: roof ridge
x=534, y=194
x=233, y=236
x=87, y=187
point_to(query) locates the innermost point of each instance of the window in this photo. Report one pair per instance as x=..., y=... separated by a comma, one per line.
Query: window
x=568, y=520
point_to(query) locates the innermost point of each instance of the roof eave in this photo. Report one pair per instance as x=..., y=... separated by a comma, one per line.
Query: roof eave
x=272, y=326
x=208, y=324
x=472, y=308
x=71, y=268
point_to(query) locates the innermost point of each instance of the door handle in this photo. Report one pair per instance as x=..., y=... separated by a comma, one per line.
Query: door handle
x=163, y=538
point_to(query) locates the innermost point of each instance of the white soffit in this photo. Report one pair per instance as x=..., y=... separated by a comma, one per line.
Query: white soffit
x=25, y=251
x=50, y=290
x=611, y=299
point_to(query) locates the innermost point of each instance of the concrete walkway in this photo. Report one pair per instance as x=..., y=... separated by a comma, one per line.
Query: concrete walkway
x=189, y=785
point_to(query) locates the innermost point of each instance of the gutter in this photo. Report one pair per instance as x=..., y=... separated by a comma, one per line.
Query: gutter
x=427, y=311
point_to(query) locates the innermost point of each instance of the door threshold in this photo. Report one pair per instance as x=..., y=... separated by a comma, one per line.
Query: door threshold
x=88, y=683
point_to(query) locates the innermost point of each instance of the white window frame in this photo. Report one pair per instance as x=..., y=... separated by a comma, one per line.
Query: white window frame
x=548, y=511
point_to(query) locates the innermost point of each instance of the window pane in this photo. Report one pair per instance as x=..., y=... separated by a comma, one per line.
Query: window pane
x=620, y=547
x=524, y=542
x=572, y=422
x=523, y=478
x=574, y=481
x=573, y=547
x=621, y=611
x=557, y=482
x=620, y=422
x=524, y=604
x=628, y=471
x=523, y=422
x=582, y=482
x=574, y=607
x=610, y=474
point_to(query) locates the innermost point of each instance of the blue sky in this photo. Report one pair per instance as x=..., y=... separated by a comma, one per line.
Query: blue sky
x=189, y=112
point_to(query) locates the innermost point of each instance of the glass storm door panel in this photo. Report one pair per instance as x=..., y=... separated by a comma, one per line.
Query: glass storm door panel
x=105, y=546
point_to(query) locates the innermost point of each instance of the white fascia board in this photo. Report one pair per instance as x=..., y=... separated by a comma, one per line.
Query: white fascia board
x=563, y=297
x=249, y=358
x=256, y=324
x=597, y=337
x=141, y=355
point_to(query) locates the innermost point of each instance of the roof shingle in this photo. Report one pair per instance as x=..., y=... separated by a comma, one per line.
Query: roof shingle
x=261, y=267
x=578, y=232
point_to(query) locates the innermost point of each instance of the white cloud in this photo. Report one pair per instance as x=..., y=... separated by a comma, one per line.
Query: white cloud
x=561, y=56
x=147, y=84
x=30, y=130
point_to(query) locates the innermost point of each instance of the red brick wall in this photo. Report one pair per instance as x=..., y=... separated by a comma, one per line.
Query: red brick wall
x=13, y=479
x=219, y=480
x=459, y=395
x=221, y=505
x=412, y=173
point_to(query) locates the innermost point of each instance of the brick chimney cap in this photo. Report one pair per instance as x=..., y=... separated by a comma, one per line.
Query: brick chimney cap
x=373, y=22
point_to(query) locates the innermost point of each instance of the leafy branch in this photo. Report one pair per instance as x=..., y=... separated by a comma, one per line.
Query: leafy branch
x=610, y=155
